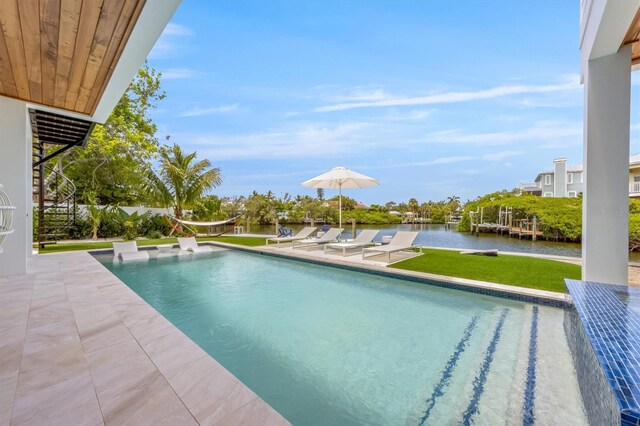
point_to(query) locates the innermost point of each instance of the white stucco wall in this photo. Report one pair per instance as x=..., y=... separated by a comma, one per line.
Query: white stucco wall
x=15, y=176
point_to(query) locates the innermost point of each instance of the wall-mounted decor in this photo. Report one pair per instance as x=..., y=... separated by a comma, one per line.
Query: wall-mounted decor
x=6, y=216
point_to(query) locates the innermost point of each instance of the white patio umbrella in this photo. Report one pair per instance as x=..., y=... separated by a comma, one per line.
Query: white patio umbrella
x=339, y=178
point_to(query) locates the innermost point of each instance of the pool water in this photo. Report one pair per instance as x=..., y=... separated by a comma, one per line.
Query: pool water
x=329, y=346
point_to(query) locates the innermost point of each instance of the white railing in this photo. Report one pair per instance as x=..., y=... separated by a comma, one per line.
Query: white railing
x=528, y=185
x=634, y=187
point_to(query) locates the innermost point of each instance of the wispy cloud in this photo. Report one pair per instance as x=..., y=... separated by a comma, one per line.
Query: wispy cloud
x=451, y=97
x=196, y=112
x=179, y=74
x=434, y=162
x=541, y=131
x=177, y=30
x=168, y=44
x=296, y=141
x=413, y=115
x=493, y=157
x=501, y=156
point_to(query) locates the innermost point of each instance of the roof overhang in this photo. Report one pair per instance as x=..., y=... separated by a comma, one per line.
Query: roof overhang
x=632, y=38
x=76, y=58
x=605, y=26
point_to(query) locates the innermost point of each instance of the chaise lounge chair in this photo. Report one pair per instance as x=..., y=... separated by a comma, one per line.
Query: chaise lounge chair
x=403, y=240
x=362, y=240
x=190, y=245
x=330, y=236
x=128, y=251
x=284, y=232
x=305, y=233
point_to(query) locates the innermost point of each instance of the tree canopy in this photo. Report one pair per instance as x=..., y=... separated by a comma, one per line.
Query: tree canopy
x=181, y=182
x=111, y=165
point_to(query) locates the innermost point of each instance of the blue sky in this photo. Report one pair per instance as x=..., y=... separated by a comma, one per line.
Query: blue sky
x=432, y=98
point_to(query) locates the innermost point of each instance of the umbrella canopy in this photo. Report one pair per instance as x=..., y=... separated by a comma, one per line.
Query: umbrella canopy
x=339, y=178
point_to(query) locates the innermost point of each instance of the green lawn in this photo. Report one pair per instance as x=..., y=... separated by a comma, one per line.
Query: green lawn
x=60, y=247
x=521, y=271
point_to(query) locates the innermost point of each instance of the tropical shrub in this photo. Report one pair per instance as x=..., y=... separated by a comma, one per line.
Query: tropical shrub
x=82, y=228
x=112, y=223
x=153, y=226
x=559, y=218
x=369, y=217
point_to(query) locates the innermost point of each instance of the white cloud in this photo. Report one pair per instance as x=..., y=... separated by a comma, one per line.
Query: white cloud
x=196, y=112
x=501, y=156
x=337, y=94
x=497, y=156
x=451, y=97
x=177, y=30
x=434, y=162
x=296, y=141
x=269, y=176
x=414, y=115
x=167, y=45
x=179, y=74
x=450, y=160
x=541, y=131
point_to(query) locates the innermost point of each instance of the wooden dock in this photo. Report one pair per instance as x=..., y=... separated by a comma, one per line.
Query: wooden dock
x=507, y=225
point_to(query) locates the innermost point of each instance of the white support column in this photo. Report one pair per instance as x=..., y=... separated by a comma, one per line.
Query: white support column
x=605, y=217
x=15, y=175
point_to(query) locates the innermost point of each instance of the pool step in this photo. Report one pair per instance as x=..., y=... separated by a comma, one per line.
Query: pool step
x=479, y=385
x=554, y=366
x=488, y=401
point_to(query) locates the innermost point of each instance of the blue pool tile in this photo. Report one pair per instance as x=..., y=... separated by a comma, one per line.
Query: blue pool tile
x=610, y=318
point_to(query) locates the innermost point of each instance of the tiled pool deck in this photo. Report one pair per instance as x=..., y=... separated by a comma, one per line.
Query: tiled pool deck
x=606, y=349
x=77, y=346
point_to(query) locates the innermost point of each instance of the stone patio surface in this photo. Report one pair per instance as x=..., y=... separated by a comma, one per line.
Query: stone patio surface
x=77, y=346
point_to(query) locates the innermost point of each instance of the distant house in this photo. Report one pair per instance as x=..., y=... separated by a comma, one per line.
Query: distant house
x=634, y=176
x=568, y=181
x=562, y=181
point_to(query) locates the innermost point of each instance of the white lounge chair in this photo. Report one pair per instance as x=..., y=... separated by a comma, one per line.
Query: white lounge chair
x=362, y=240
x=305, y=233
x=190, y=245
x=128, y=251
x=403, y=240
x=330, y=236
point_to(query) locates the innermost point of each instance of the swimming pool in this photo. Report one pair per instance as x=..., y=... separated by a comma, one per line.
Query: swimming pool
x=324, y=345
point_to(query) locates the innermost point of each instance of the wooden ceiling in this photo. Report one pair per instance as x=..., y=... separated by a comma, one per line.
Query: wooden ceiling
x=633, y=38
x=61, y=53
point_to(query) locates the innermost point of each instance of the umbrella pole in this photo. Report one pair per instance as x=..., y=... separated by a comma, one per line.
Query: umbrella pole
x=340, y=206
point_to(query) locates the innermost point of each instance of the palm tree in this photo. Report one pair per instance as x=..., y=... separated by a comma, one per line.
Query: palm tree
x=181, y=181
x=453, y=202
x=413, y=208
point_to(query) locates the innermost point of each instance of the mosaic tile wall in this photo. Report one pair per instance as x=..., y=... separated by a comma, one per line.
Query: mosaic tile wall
x=604, y=334
x=599, y=401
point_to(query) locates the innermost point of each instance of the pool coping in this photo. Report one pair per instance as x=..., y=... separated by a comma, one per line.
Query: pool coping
x=523, y=294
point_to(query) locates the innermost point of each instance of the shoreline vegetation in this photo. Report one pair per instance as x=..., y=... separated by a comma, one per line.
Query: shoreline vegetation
x=519, y=271
x=558, y=219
